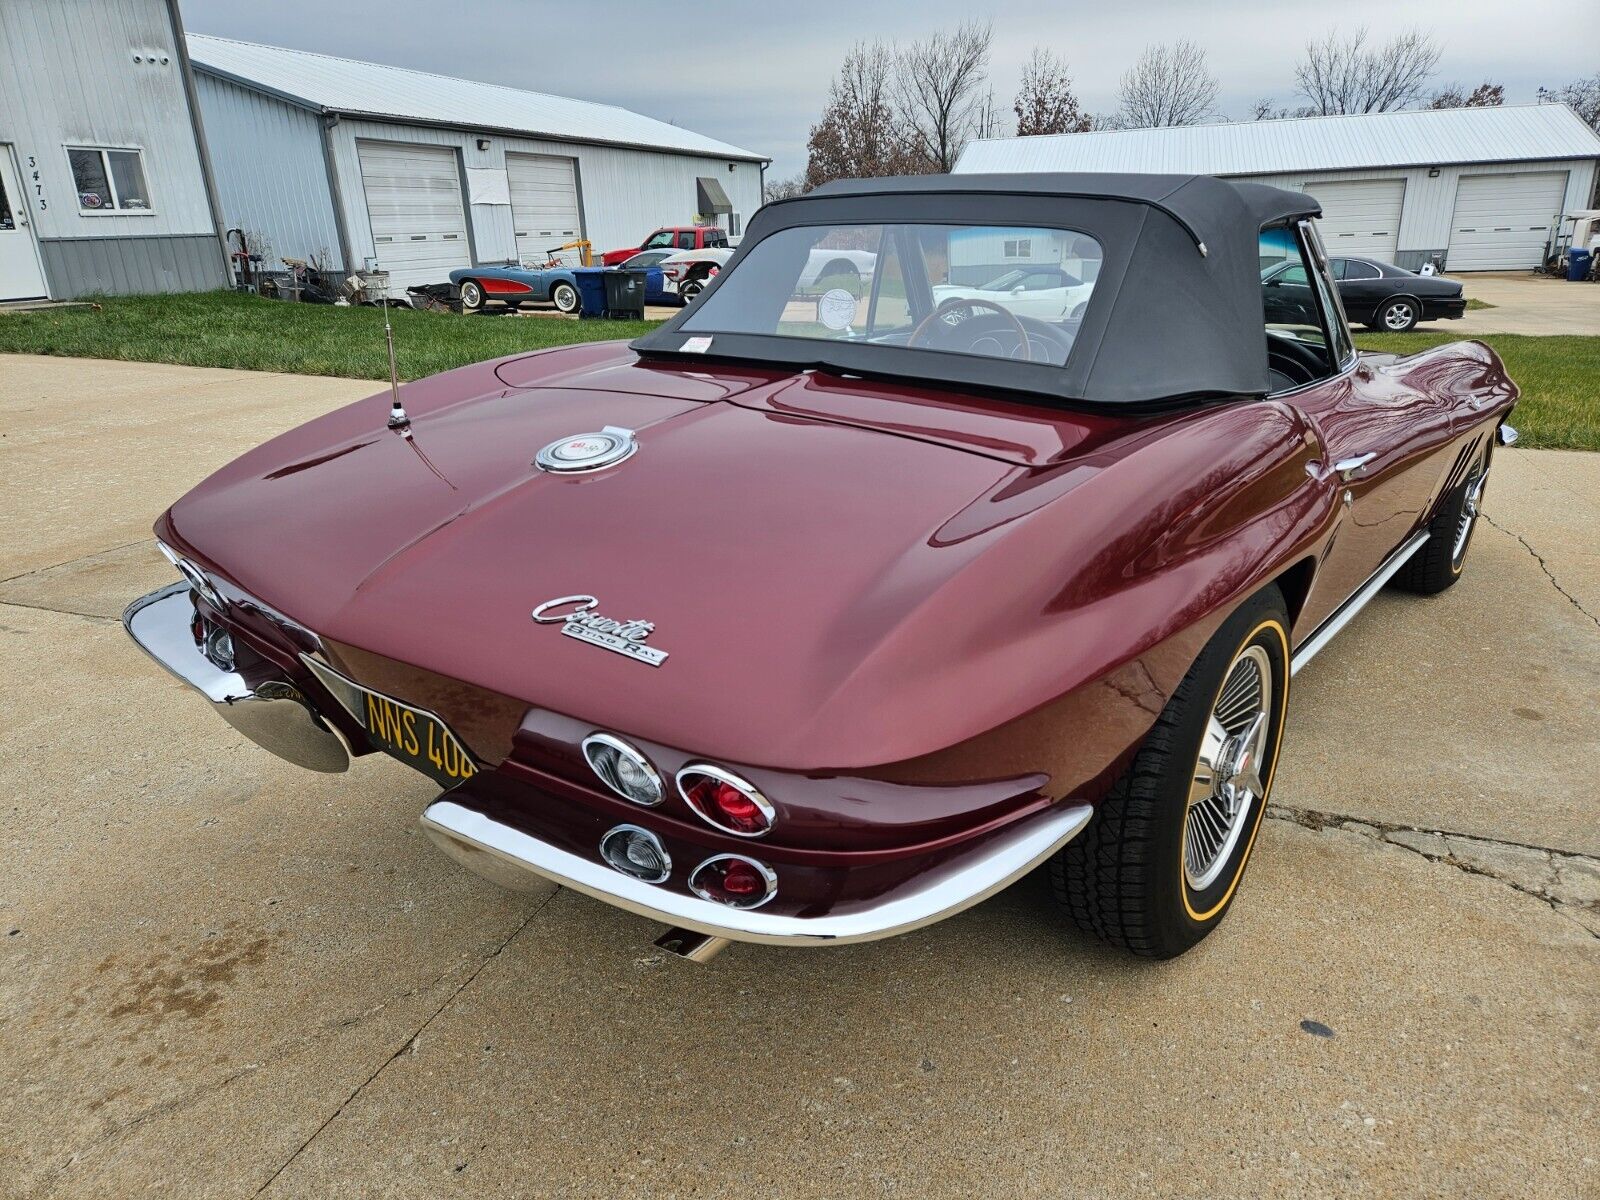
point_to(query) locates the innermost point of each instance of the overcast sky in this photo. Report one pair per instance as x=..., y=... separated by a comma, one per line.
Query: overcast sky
x=756, y=74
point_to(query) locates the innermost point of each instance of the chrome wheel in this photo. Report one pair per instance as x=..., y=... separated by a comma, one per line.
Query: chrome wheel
x=1398, y=317
x=565, y=298
x=471, y=296
x=1227, y=785
x=1469, y=515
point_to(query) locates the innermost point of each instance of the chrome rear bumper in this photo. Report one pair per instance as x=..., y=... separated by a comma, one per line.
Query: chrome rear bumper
x=513, y=859
x=273, y=714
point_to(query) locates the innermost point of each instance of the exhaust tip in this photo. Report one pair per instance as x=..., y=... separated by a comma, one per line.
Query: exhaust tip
x=686, y=943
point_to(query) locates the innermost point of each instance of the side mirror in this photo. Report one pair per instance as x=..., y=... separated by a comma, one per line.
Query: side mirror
x=1017, y=291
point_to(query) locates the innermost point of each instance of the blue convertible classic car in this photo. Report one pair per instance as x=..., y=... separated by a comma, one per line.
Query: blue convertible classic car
x=512, y=286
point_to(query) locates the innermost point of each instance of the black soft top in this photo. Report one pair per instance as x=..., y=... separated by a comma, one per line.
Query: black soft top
x=1175, y=313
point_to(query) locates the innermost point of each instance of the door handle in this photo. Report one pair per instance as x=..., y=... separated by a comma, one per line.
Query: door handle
x=1354, y=468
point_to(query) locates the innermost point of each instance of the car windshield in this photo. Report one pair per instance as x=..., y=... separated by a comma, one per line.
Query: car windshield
x=988, y=290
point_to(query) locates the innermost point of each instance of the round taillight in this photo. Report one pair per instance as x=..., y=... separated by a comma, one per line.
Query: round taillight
x=636, y=852
x=623, y=769
x=722, y=799
x=734, y=880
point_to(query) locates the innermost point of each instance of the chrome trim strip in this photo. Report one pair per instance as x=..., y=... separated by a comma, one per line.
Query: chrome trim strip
x=1341, y=616
x=467, y=835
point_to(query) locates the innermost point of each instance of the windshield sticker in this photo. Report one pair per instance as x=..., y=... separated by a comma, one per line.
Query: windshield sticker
x=837, y=309
x=695, y=345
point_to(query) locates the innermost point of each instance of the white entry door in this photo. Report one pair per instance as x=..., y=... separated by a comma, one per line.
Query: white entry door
x=21, y=276
x=1360, y=216
x=419, y=226
x=1502, y=222
x=544, y=205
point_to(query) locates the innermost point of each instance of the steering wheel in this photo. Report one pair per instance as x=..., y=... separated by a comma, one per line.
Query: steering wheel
x=956, y=303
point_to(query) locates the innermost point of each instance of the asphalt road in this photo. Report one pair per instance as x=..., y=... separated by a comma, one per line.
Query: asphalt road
x=222, y=976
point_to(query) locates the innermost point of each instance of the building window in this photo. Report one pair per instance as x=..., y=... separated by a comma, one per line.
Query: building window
x=1019, y=248
x=734, y=224
x=108, y=180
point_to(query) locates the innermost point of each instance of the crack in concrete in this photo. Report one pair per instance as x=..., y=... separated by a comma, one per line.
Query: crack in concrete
x=1543, y=566
x=119, y=1130
x=79, y=559
x=63, y=612
x=409, y=1043
x=1559, y=860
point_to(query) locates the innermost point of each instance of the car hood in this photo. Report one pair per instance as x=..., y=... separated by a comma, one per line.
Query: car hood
x=811, y=553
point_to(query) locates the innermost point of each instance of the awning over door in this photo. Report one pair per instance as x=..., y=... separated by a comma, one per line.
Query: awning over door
x=712, y=199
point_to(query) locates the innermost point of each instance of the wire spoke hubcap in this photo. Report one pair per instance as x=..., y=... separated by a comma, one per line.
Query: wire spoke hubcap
x=1227, y=785
x=1469, y=514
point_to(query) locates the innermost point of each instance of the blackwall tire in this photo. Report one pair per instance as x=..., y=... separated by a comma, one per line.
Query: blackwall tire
x=690, y=289
x=1159, y=865
x=1441, y=559
x=565, y=297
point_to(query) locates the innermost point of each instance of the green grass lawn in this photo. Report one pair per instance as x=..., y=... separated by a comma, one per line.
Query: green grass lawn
x=1474, y=304
x=226, y=329
x=1559, y=378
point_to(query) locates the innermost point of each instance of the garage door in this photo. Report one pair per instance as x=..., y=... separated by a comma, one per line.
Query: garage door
x=419, y=230
x=1360, y=216
x=544, y=204
x=1501, y=222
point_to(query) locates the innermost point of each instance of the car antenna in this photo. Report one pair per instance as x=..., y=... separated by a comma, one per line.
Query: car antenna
x=397, y=411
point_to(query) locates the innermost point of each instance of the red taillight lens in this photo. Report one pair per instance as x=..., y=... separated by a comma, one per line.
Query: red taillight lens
x=725, y=801
x=734, y=881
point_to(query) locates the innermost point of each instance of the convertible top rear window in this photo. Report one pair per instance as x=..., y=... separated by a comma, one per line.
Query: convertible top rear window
x=1172, y=313
x=991, y=291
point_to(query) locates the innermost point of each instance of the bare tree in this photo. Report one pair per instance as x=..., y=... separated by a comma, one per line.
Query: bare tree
x=1581, y=95
x=1169, y=85
x=1343, y=74
x=860, y=134
x=1268, y=109
x=940, y=92
x=785, y=189
x=1453, y=95
x=1045, y=102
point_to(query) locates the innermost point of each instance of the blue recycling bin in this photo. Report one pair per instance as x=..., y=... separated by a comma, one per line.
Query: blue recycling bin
x=591, y=283
x=1578, y=264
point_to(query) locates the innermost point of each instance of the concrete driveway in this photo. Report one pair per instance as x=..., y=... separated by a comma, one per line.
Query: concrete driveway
x=1526, y=303
x=221, y=976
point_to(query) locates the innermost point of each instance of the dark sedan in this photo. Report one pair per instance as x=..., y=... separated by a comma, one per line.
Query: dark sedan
x=1377, y=294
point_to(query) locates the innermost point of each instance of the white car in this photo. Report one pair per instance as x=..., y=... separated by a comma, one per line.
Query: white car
x=1045, y=293
x=688, y=271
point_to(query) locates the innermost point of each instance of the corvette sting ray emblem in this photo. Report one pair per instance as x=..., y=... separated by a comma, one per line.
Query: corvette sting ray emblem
x=577, y=618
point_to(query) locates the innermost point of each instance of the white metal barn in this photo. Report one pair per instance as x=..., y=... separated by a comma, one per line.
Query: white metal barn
x=1475, y=189
x=359, y=163
x=103, y=183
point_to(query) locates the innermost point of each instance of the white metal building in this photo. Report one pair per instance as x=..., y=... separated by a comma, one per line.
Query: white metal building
x=1475, y=189
x=103, y=183
x=360, y=163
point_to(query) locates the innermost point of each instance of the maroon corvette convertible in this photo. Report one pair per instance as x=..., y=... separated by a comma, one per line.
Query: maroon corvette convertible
x=821, y=613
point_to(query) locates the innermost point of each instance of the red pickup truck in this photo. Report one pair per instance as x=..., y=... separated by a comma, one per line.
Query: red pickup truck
x=677, y=237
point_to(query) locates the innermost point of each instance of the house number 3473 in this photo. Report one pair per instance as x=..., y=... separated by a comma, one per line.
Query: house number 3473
x=38, y=188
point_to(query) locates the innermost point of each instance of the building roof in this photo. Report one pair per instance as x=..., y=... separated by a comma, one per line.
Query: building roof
x=1514, y=133
x=365, y=89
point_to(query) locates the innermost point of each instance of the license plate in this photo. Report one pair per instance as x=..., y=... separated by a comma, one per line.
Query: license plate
x=413, y=735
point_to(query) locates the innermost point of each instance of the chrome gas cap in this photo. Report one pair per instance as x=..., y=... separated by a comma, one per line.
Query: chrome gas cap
x=587, y=451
